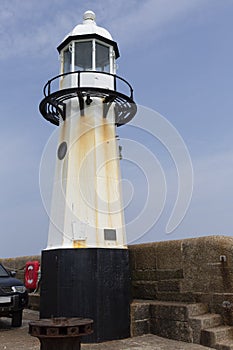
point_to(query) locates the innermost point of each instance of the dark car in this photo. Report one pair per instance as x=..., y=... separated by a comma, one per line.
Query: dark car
x=13, y=297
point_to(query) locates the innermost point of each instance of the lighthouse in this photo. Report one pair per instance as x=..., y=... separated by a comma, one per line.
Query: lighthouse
x=85, y=267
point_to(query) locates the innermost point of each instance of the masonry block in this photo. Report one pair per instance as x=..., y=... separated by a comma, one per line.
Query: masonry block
x=140, y=310
x=139, y=328
x=144, y=290
x=167, y=328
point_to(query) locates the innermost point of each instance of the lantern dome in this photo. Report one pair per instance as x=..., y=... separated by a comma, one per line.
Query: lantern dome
x=89, y=28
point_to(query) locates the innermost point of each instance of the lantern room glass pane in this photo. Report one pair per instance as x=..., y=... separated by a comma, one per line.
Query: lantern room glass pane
x=83, y=55
x=67, y=61
x=102, y=58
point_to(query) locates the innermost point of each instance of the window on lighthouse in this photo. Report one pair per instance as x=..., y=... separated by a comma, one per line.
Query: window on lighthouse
x=83, y=55
x=67, y=61
x=102, y=58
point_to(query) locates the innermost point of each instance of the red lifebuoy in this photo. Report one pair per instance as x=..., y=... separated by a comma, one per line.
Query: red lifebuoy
x=31, y=274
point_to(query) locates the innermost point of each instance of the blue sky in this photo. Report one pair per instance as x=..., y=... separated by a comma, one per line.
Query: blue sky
x=178, y=56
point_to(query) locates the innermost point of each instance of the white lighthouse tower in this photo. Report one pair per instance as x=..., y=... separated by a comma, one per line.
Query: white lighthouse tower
x=85, y=268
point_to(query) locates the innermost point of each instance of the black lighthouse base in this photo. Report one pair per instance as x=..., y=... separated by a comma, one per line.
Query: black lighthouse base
x=88, y=282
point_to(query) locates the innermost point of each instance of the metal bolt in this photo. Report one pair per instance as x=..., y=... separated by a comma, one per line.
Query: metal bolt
x=226, y=304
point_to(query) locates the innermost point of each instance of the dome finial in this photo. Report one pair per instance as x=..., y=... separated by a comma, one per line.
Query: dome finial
x=89, y=16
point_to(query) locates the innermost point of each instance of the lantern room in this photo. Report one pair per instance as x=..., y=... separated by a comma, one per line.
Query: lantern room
x=88, y=48
x=88, y=57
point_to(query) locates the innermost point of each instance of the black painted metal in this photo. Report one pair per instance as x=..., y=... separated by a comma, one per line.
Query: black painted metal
x=89, y=37
x=62, y=149
x=48, y=85
x=88, y=282
x=53, y=106
x=60, y=344
x=81, y=102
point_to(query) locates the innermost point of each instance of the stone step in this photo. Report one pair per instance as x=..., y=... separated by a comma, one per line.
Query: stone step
x=156, y=275
x=224, y=345
x=144, y=290
x=176, y=311
x=171, y=285
x=176, y=296
x=200, y=322
x=169, y=274
x=196, y=309
x=212, y=336
x=178, y=320
x=172, y=329
x=207, y=320
x=162, y=290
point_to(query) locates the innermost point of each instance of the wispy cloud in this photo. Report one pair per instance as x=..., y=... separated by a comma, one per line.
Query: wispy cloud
x=210, y=212
x=214, y=174
x=149, y=18
x=32, y=27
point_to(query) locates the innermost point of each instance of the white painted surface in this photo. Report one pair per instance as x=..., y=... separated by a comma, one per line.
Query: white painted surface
x=89, y=26
x=87, y=194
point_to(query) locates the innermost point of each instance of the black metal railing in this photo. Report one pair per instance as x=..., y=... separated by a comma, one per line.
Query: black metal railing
x=48, y=87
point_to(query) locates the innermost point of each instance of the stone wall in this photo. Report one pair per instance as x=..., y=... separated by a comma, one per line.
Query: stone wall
x=187, y=270
x=193, y=270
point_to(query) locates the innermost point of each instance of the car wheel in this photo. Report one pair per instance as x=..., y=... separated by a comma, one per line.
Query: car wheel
x=17, y=319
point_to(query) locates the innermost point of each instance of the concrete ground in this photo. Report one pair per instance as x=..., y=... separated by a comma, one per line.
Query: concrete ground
x=19, y=339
